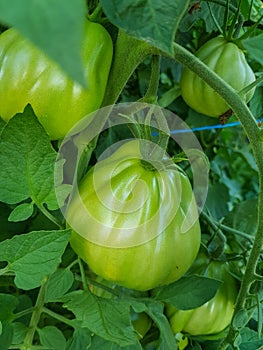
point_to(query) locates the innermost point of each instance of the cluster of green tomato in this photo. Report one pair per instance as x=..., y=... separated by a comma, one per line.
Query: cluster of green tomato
x=29, y=76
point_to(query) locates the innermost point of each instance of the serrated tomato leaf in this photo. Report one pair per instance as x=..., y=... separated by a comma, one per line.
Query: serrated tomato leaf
x=108, y=318
x=26, y=162
x=34, y=255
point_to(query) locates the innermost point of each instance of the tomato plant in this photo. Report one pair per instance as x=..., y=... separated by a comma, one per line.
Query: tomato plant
x=227, y=60
x=29, y=76
x=149, y=236
x=123, y=200
x=215, y=314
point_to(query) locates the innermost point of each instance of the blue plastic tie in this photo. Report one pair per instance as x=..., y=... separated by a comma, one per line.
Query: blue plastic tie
x=209, y=127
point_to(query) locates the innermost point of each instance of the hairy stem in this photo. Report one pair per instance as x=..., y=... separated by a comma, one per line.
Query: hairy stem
x=151, y=93
x=128, y=54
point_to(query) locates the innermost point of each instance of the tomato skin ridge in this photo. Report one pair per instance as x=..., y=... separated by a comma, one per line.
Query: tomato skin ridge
x=229, y=62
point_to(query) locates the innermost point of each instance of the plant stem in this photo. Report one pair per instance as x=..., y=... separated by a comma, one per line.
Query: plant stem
x=128, y=54
x=4, y=270
x=23, y=313
x=83, y=276
x=236, y=232
x=49, y=215
x=151, y=93
x=58, y=317
x=28, y=341
x=232, y=8
x=252, y=131
x=96, y=15
x=215, y=227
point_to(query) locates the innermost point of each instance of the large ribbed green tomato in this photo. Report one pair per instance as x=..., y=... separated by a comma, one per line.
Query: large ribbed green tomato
x=228, y=61
x=27, y=75
x=134, y=225
x=216, y=314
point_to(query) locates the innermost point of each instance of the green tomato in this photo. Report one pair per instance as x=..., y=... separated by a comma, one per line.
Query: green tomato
x=141, y=323
x=133, y=225
x=29, y=76
x=228, y=61
x=216, y=314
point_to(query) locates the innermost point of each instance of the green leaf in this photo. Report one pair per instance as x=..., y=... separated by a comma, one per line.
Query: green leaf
x=100, y=343
x=254, y=46
x=52, y=338
x=189, y=292
x=202, y=12
x=22, y=212
x=241, y=318
x=58, y=284
x=245, y=6
x=244, y=216
x=33, y=255
x=167, y=339
x=80, y=340
x=108, y=318
x=155, y=22
x=19, y=332
x=26, y=162
x=56, y=27
x=250, y=340
x=8, y=303
x=256, y=104
x=6, y=336
x=216, y=201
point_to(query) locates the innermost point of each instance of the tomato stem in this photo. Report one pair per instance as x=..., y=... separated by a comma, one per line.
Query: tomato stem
x=151, y=93
x=83, y=275
x=58, y=317
x=231, y=30
x=28, y=341
x=129, y=52
x=49, y=215
x=96, y=15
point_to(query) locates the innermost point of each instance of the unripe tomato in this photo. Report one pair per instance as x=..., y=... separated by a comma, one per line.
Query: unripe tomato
x=228, y=61
x=141, y=323
x=132, y=224
x=29, y=76
x=216, y=314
